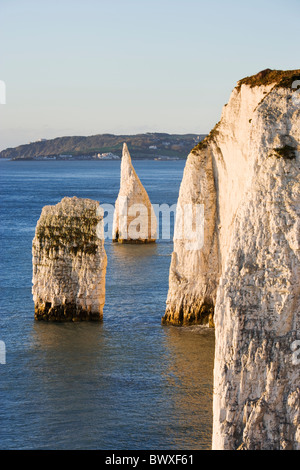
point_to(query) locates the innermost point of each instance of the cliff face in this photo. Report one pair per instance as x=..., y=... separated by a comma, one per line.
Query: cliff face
x=216, y=175
x=257, y=314
x=69, y=262
x=194, y=272
x=134, y=217
x=246, y=173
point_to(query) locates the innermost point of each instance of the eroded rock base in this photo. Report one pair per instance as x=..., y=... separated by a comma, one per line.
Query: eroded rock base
x=64, y=313
x=192, y=313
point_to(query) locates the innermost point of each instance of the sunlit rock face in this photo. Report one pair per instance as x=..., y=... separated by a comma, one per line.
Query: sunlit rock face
x=246, y=173
x=257, y=314
x=69, y=262
x=134, y=217
x=194, y=270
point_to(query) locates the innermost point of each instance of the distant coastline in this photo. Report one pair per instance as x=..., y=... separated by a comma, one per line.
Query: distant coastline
x=150, y=146
x=91, y=158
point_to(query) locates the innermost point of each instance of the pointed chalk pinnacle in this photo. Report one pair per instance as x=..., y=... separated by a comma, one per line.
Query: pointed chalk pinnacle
x=134, y=218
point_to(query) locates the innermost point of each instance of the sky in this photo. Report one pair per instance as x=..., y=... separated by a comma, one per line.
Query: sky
x=131, y=66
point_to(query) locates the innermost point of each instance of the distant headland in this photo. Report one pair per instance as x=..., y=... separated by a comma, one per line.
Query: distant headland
x=152, y=146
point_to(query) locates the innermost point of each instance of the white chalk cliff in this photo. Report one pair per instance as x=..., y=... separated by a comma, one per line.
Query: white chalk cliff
x=134, y=217
x=246, y=173
x=69, y=262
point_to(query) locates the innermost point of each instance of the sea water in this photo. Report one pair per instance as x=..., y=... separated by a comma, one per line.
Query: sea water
x=128, y=383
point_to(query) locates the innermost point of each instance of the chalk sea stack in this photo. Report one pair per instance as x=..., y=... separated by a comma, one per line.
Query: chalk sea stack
x=134, y=217
x=69, y=262
x=247, y=275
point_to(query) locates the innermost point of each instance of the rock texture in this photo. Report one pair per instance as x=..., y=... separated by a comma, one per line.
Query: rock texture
x=134, y=217
x=194, y=273
x=249, y=268
x=69, y=262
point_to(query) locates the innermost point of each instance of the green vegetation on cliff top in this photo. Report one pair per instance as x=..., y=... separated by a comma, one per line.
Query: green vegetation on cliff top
x=148, y=145
x=280, y=78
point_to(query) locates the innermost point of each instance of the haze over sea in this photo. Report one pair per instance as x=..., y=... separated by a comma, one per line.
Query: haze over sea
x=128, y=383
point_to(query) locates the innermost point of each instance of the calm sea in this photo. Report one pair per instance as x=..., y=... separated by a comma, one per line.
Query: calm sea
x=126, y=384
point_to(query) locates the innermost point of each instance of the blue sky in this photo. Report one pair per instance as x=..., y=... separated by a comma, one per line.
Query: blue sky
x=128, y=66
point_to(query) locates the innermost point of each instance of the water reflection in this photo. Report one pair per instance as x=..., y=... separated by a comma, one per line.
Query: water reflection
x=69, y=389
x=190, y=377
x=128, y=383
x=77, y=341
x=158, y=394
x=133, y=281
x=133, y=255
